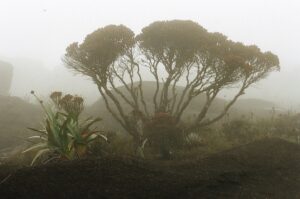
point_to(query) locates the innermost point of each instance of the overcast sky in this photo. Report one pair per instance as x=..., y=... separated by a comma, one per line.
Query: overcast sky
x=42, y=29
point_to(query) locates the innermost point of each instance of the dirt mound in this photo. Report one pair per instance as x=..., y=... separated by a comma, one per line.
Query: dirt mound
x=90, y=178
x=268, y=168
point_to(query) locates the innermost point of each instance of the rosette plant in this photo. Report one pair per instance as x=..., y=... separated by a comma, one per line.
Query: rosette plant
x=63, y=133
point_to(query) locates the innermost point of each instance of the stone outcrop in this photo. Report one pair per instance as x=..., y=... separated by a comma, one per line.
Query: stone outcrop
x=6, y=74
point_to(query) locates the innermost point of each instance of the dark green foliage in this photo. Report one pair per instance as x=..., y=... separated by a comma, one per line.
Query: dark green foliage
x=64, y=134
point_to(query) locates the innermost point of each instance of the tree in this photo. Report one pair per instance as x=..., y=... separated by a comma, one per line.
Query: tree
x=6, y=74
x=172, y=52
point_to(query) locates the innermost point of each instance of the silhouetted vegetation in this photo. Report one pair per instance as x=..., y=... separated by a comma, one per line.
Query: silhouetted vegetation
x=183, y=140
x=204, y=62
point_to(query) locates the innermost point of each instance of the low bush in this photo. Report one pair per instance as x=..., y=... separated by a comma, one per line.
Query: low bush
x=64, y=135
x=164, y=134
x=240, y=131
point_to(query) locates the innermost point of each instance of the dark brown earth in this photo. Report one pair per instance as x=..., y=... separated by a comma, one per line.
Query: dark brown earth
x=269, y=168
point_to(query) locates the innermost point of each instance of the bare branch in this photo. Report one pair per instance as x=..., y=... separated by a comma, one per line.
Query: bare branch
x=114, y=114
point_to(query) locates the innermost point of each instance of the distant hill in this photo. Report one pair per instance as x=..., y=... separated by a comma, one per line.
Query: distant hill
x=259, y=108
x=6, y=74
x=99, y=108
x=253, y=104
x=15, y=116
x=255, y=108
x=32, y=75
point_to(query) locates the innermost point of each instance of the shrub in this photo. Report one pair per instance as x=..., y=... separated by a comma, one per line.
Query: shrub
x=240, y=131
x=64, y=134
x=286, y=126
x=163, y=134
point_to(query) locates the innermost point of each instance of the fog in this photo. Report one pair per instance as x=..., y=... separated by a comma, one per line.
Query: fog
x=187, y=125
x=35, y=33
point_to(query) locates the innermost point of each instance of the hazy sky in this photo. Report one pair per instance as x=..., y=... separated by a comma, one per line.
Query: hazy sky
x=42, y=29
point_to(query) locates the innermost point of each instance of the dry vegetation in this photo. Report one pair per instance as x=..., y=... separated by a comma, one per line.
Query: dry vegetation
x=156, y=139
x=214, y=162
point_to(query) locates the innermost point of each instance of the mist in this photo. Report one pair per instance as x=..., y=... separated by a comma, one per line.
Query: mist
x=35, y=34
x=149, y=99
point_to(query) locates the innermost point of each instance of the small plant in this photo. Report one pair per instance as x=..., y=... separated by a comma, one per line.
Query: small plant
x=163, y=134
x=240, y=131
x=64, y=134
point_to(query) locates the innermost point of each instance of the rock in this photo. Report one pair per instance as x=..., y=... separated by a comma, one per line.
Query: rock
x=6, y=74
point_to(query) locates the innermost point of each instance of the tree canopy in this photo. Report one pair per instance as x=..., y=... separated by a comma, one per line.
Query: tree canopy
x=172, y=52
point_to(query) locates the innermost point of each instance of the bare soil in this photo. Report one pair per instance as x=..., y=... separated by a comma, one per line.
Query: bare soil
x=268, y=168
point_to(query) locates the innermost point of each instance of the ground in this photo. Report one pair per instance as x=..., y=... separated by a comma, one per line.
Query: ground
x=268, y=168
